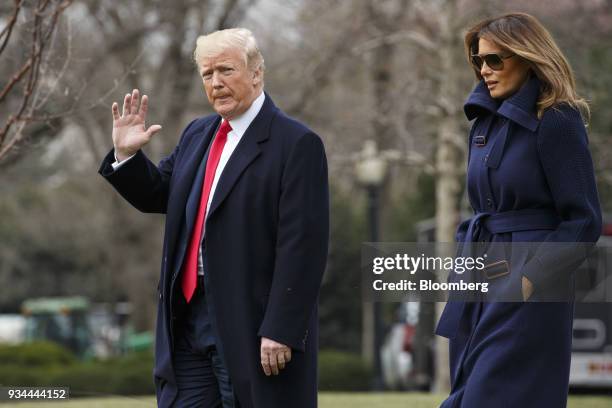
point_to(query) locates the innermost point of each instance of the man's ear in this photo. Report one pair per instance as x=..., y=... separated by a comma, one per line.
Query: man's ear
x=257, y=76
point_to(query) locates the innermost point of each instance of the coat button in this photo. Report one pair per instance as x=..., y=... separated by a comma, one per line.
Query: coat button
x=489, y=202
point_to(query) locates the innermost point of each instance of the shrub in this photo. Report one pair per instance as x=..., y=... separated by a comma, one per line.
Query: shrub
x=35, y=354
x=85, y=379
x=17, y=375
x=342, y=371
x=39, y=364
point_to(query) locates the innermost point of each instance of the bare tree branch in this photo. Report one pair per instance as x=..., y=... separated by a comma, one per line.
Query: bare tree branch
x=43, y=26
x=6, y=32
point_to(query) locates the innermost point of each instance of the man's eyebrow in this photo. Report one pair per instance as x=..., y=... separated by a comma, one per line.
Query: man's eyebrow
x=218, y=66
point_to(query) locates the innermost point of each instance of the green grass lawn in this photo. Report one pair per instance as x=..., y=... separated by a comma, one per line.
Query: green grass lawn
x=326, y=400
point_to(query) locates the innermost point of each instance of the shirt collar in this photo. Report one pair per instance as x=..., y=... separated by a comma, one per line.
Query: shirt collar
x=241, y=123
x=519, y=107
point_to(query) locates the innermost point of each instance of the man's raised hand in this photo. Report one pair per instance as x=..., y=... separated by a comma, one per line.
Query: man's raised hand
x=129, y=133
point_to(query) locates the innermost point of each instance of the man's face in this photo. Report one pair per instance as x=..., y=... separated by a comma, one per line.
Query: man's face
x=231, y=87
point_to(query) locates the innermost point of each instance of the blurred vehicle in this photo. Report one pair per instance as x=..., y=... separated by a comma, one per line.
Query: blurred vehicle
x=62, y=320
x=88, y=330
x=12, y=328
x=592, y=332
x=592, y=346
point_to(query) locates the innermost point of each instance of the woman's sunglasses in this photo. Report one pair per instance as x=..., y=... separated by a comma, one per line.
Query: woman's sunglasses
x=493, y=61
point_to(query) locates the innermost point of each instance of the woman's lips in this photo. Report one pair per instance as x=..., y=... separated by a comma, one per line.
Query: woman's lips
x=491, y=84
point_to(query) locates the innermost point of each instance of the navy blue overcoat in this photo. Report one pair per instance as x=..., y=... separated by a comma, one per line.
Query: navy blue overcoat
x=528, y=180
x=266, y=247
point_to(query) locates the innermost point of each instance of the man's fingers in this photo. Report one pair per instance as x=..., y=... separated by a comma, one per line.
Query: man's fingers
x=126, y=104
x=280, y=357
x=274, y=363
x=144, y=107
x=115, y=109
x=287, y=354
x=134, y=104
x=265, y=364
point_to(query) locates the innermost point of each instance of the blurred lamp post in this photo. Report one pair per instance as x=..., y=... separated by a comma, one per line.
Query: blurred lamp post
x=371, y=169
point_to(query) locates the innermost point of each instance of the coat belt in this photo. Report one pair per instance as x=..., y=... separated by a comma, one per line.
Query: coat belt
x=512, y=221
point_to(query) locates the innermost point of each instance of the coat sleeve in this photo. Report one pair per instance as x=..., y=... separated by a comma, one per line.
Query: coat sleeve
x=568, y=167
x=302, y=244
x=140, y=182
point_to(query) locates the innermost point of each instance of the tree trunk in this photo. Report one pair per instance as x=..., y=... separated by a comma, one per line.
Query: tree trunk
x=448, y=165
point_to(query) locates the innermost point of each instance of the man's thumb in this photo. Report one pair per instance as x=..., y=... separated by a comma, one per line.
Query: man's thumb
x=152, y=130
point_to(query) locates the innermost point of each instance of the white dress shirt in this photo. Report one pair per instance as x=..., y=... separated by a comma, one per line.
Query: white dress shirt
x=239, y=126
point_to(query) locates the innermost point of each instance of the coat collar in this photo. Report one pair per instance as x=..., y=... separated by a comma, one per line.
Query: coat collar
x=241, y=123
x=519, y=108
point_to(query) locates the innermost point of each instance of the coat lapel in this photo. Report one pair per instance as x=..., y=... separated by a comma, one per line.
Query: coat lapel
x=183, y=194
x=192, y=159
x=479, y=102
x=247, y=150
x=519, y=108
x=193, y=200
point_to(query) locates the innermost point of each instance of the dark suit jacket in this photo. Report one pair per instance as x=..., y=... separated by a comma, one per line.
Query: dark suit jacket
x=266, y=246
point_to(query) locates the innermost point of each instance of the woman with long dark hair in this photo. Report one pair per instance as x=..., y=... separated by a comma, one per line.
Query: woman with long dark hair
x=530, y=179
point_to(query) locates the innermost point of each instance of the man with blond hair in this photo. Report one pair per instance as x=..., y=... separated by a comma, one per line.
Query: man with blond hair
x=245, y=194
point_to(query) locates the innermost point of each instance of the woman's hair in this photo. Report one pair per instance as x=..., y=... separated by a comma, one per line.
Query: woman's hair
x=240, y=38
x=525, y=36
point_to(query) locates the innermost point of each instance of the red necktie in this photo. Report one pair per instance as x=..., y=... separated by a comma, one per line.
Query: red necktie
x=190, y=268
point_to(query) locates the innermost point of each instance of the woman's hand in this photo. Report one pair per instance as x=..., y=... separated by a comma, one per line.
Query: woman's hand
x=527, y=288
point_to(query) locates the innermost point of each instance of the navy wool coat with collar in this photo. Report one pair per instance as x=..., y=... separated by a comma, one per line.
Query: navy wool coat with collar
x=528, y=180
x=266, y=247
